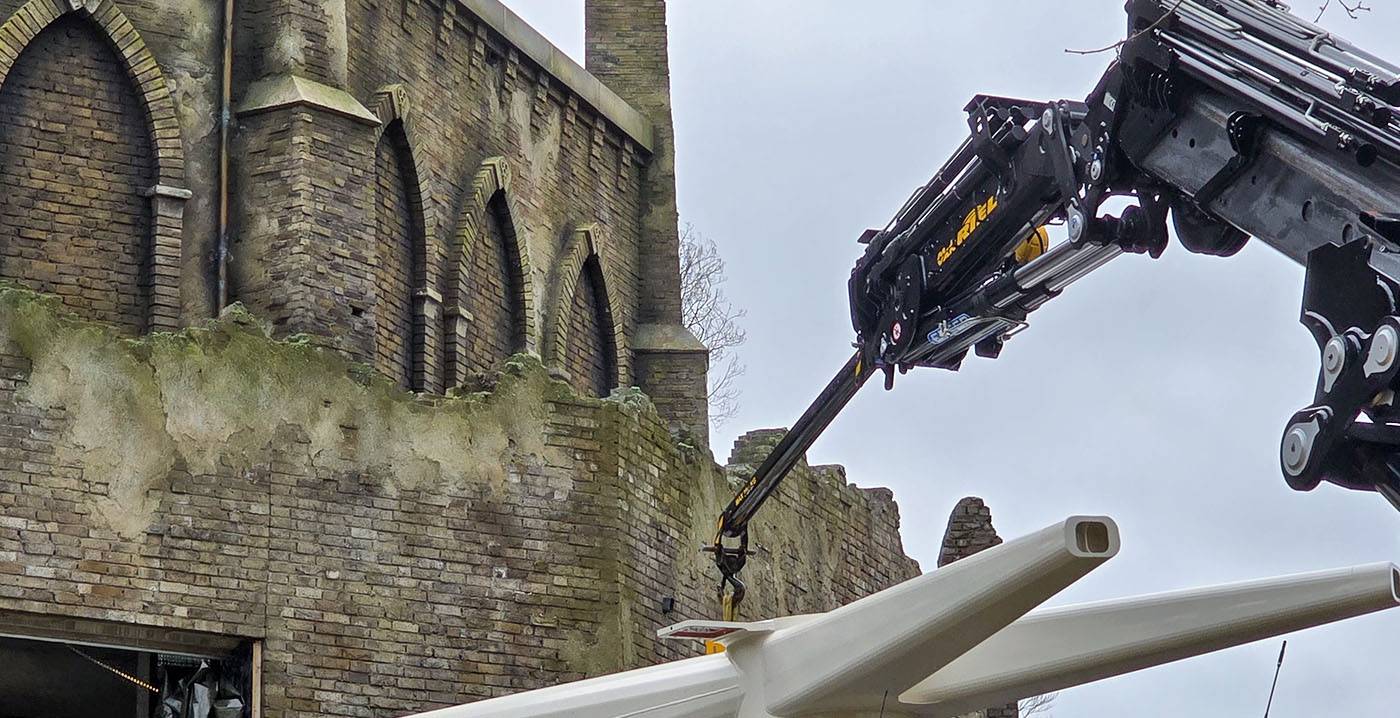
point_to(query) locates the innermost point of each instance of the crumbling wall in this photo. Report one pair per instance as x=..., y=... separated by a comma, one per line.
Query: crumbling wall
x=970, y=531
x=395, y=552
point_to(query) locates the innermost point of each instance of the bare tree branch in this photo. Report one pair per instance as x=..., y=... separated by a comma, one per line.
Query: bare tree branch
x=709, y=315
x=1133, y=36
x=1351, y=10
x=1037, y=705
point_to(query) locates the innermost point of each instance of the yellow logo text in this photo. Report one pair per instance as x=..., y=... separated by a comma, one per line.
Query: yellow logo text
x=971, y=222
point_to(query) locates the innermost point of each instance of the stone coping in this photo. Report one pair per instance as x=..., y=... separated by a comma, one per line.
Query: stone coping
x=288, y=90
x=667, y=339
x=553, y=60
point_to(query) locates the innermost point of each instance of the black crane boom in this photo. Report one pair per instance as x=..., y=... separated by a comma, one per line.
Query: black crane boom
x=1234, y=118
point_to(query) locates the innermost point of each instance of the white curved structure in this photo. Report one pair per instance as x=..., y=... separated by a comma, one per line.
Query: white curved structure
x=883, y=644
x=1069, y=646
x=695, y=687
x=955, y=640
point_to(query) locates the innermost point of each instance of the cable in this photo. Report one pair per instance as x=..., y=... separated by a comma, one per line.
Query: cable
x=1133, y=36
x=1275, y=685
x=119, y=673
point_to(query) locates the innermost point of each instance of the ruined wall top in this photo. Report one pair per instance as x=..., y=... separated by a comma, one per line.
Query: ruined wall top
x=553, y=60
x=969, y=531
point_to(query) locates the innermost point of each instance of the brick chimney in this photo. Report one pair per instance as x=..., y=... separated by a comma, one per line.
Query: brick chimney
x=626, y=49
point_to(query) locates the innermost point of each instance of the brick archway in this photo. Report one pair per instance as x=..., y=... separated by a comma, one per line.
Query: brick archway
x=391, y=105
x=492, y=181
x=168, y=194
x=584, y=243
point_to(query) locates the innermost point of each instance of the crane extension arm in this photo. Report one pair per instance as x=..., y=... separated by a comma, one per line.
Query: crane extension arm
x=1233, y=116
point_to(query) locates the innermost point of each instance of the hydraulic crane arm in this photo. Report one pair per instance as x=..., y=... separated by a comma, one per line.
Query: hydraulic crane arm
x=1234, y=116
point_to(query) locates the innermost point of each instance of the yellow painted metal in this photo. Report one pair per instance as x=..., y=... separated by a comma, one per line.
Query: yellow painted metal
x=730, y=612
x=1034, y=246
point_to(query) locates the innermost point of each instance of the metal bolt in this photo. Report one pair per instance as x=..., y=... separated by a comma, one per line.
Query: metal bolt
x=1076, y=225
x=1297, y=446
x=1383, y=349
x=1096, y=169
x=1334, y=355
x=1047, y=120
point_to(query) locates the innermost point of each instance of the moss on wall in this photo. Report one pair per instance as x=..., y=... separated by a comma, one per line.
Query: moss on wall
x=411, y=551
x=225, y=392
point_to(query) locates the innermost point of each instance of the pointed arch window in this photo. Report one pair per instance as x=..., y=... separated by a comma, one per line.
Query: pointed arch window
x=589, y=352
x=584, y=342
x=91, y=166
x=399, y=260
x=494, y=290
x=74, y=159
x=488, y=302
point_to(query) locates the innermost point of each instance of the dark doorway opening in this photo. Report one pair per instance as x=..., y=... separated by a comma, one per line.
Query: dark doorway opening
x=59, y=679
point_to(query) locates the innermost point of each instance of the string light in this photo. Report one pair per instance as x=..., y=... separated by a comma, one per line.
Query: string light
x=130, y=678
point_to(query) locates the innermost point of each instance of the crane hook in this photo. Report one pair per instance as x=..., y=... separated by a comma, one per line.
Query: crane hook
x=730, y=561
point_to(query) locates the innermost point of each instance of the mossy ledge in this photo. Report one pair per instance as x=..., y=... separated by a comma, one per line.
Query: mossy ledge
x=145, y=442
x=225, y=394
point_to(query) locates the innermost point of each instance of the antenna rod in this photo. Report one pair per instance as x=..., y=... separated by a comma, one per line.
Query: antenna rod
x=1275, y=685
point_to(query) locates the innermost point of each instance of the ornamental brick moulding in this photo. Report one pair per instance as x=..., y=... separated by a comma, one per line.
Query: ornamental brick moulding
x=488, y=193
x=394, y=110
x=584, y=245
x=168, y=194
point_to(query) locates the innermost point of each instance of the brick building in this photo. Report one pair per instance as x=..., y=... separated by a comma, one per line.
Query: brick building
x=394, y=479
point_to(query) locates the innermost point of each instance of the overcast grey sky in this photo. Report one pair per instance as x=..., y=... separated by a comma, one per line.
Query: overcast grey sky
x=1153, y=391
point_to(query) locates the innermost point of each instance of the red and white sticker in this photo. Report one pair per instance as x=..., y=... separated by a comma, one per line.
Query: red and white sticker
x=706, y=630
x=897, y=331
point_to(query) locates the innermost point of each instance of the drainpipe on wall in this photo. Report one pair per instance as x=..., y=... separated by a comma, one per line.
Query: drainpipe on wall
x=225, y=110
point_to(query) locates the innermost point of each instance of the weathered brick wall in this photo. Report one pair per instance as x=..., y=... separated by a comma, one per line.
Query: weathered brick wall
x=135, y=84
x=395, y=553
x=472, y=97
x=845, y=537
x=674, y=379
x=304, y=212
x=969, y=531
x=74, y=159
x=627, y=50
x=466, y=98
x=295, y=36
x=304, y=251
